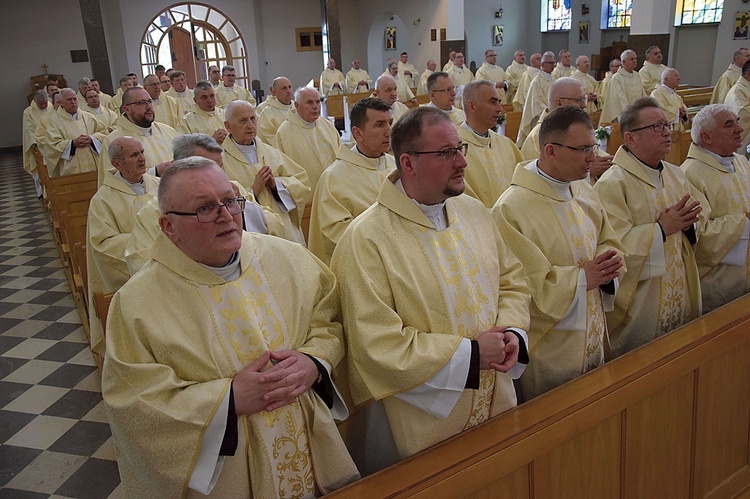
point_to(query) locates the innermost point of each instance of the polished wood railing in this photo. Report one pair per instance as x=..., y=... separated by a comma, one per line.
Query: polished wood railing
x=669, y=420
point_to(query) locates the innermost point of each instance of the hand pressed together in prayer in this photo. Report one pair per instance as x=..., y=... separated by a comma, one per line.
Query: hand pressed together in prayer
x=262, y=179
x=498, y=349
x=600, y=165
x=82, y=141
x=219, y=135
x=679, y=216
x=602, y=269
x=258, y=390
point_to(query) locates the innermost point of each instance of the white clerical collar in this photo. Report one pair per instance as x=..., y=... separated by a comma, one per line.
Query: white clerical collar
x=228, y=87
x=465, y=125
x=230, y=271
x=156, y=101
x=547, y=75
x=671, y=90
x=443, y=110
x=726, y=161
x=181, y=94
x=146, y=131
x=308, y=124
x=377, y=162
x=435, y=213
x=654, y=173
x=96, y=110
x=560, y=187
x=249, y=152
x=139, y=188
x=72, y=116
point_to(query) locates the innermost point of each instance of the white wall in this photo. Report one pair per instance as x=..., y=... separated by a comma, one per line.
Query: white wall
x=479, y=18
x=23, y=58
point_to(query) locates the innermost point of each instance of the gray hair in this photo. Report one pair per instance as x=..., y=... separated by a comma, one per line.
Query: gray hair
x=651, y=49
x=707, y=119
x=63, y=90
x=560, y=86
x=471, y=90
x=229, y=109
x=548, y=55
x=84, y=81
x=183, y=146
x=666, y=73
x=580, y=58
x=177, y=167
x=627, y=52
x=298, y=93
x=203, y=85
x=227, y=68
x=40, y=96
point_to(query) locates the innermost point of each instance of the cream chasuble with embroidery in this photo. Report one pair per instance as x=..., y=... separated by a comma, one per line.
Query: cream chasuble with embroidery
x=60, y=130
x=313, y=146
x=623, y=89
x=110, y=221
x=523, y=86
x=167, y=111
x=723, y=242
x=200, y=121
x=291, y=175
x=410, y=294
x=225, y=95
x=657, y=295
x=170, y=362
x=553, y=237
x=515, y=72
x=494, y=74
x=185, y=102
x=491, y=161
x=157, y=147
x=347, y=188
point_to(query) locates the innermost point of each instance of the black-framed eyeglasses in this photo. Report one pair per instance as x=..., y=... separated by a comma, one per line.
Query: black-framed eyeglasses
x=211, y=212
x=658, y=127
x=583, y=149
x=446, y=155
x=582, y=100
x=148, y=102
x=449, y=89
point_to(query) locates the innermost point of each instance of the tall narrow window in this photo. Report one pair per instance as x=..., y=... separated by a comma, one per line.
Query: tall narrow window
x=618, y=13
x=556, y=15
x=698, y=11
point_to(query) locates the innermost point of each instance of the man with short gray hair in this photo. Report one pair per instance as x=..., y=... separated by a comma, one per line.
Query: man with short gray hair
x=83, y=85
x=590, y=85
x=536, y=99
x=205, y=117
x=652, y=69
x=31, y=116
x=563, y=67
x=332, y=81
x=229, y=91
x=715, y=169
x=730, y=76
x=357, y=79
x=308, y=138
x=625, y=88
x=386, y=89
x=670, y=101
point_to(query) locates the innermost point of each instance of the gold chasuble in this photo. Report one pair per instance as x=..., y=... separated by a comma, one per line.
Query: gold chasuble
x=313, y=146
x=32, y=115
x=623, y=89
x=410, y=294
x=347, y=188
x=167, y=111
x=110, y=221
x=60, y=130
x=670, y=102
x=491, y=161
x=271, y=119
x=536, y=103
x=170, y=362
x=200, y=121
x=724, y=83
x=720, y=249
x=660, y=294
x=651, y=75
x=185, y=102
x=291, y=175
x=225, y=95
x=553, y=237
x=157, y=147
x=738, y=98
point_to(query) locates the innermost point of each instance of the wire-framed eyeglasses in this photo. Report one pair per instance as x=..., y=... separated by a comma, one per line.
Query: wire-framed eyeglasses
x=583, y=149
x=446, y=155
x=211, y=212
x=658, y=127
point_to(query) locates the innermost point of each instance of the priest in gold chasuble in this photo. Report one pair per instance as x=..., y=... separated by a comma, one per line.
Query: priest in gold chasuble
x=219, y=352
x=434, y=303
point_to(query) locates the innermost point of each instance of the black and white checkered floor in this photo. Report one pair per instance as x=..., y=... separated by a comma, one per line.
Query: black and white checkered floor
x=54, y=436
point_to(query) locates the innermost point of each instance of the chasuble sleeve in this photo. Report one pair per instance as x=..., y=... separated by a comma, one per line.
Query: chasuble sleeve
x=107, y=241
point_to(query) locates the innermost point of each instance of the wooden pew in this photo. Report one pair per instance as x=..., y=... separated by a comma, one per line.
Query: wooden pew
x=335, y=103
x=671, y=419
x=512, y=124
x=101, y=308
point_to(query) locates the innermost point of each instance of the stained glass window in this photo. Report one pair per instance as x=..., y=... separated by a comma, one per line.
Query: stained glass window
x=618, y=13
x=699, y=11
x=556, y=15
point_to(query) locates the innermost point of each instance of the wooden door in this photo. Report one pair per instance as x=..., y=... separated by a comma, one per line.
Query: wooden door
x=181, y=46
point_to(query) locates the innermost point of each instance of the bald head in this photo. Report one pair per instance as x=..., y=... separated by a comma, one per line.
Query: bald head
x=282, y=89
x=386, y=89
x=670, y=77
x=566, y=91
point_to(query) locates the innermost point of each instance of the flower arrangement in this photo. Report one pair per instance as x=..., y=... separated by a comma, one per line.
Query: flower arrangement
x=603, y=133
x=501, y=119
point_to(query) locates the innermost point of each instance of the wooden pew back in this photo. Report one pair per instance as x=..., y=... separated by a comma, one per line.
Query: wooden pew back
x=335, y=103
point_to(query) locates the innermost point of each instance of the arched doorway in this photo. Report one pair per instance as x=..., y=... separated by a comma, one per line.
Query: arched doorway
x=191, y=37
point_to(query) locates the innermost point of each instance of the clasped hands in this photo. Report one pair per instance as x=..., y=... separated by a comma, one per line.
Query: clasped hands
x=257, y=388
x=498, y=349
x=679, y=216
x=263, y=178
x=602, y=269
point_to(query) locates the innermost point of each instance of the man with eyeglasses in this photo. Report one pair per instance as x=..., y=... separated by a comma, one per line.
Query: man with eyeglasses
x=624, y=88
x=104, y=115
x=229, y=91
x=433, y=301
x=536, y=100
x=137, y=121
x=653, y=210
x=493, y=73
x=308, y=138
x=614, y=66
x=738, y=98
x=715, y=169
x=166, y=109
x=515, y=71
x=112, y=212
x=72, y=139
x=214, y=75
x=555, y=224
x=277, y=181
x=730, y=76
x=224, y=377
x=442, y=94
x=491, y=157
x=519, y=99
x=670, y=101
x=590, y=85
x=459, y=73
x=181, y=93
x=206, y=117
